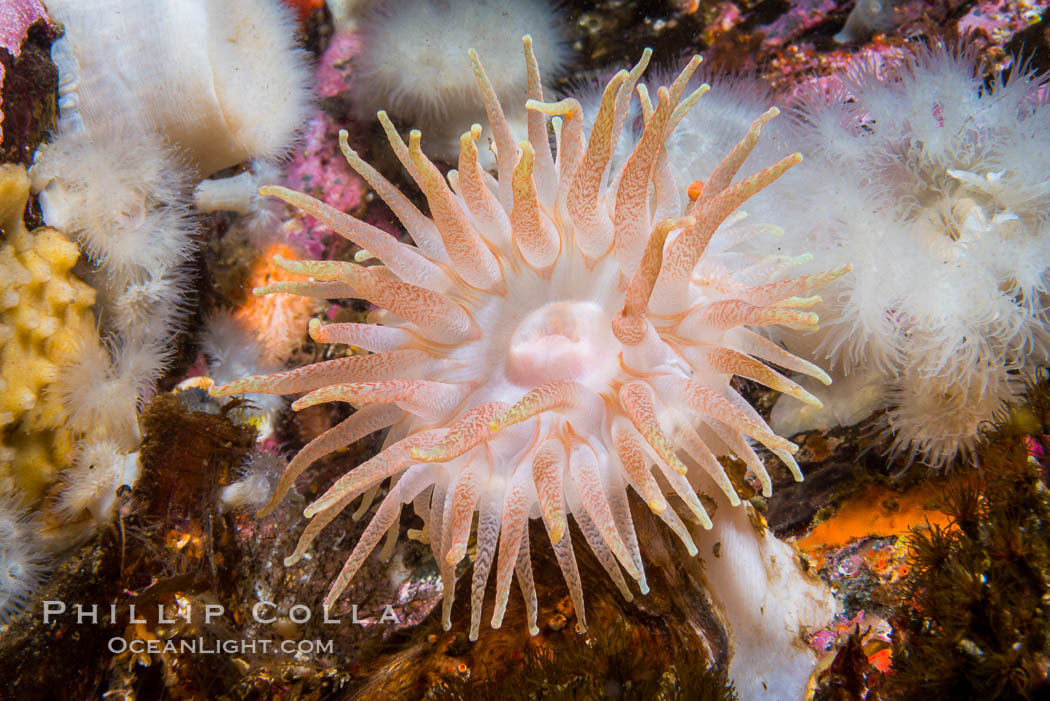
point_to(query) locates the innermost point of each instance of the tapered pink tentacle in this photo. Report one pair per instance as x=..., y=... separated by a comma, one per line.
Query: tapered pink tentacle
x=365, y=504
x=422, y=397
x=731, y=362
x=626, y=92
x=515, y=520
x=560, y=394
x=486, y=211
x=350, y=430
x=774, y=292
x=438, y=317
x=440, y=505
x=678, y=87
x=470, y=256
x=535, y=236
x=601, y=551
x=418, y=226
x=676, y=525
x=616, y=493
x=487, y=539
x=545, y=175
x=592, y=224
x=506, y=147
x=570, y=571
x=707, y=402
x=465, y=493
x=668, y=203
x=630, y=325
x=725, y=171
x=548, y=471
x=399, y=147
x=390, y=461
x=747, y=341
x=632, y=457
x=314, y=527
x=737, y=443
x=327, y=372
x=388, y=513
x=523, y=573
x=404, y=261
x=322, y=290
x=730, y=313
x=680, y=485
x=463, y=434
x=378, y=339
x=639, y=476
x=583, y=468
x=637, y=402
x=631, y=214
x=570, y=147
x=685, y=251
x=695, y=448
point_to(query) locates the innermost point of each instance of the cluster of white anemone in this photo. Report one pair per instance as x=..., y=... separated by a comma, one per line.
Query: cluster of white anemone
x=557, y=334
x=934, y=185
x=203, y=86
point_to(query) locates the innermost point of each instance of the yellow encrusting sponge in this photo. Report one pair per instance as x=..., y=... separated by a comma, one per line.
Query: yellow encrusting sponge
x=45, y=315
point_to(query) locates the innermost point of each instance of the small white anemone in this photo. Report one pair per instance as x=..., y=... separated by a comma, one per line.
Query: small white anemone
x=254, y=487
x=118, y=193
x=426, y=82
x=934, y=421
x=100, y=470
x=232, y=351
x=22, y=559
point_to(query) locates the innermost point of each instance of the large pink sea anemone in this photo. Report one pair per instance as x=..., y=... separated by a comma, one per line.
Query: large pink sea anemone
x=555, y=334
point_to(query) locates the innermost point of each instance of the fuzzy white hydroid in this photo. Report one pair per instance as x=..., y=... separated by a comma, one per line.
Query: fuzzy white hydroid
x=557, y=335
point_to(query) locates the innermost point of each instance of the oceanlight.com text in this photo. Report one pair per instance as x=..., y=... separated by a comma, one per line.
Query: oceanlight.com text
x=202, y=646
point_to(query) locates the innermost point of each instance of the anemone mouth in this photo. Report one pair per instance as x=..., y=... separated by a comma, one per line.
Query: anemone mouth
x=562, y=341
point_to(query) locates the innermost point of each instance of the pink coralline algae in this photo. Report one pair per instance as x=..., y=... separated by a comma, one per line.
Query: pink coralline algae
x=800, y=17
x=557, y=334
x=320, y=170
x=333, y=71
x=317, y=167
x=16, y=16
x=999, y=20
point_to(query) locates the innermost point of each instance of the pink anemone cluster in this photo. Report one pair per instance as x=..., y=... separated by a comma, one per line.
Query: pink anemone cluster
x=557, y=334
